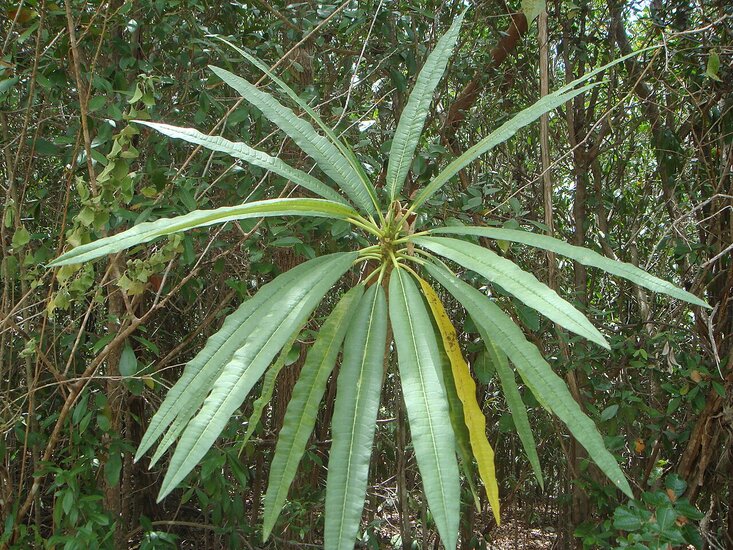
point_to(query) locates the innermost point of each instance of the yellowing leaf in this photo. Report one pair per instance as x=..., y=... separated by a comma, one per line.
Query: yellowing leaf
x=466, y=389
x=639, y=445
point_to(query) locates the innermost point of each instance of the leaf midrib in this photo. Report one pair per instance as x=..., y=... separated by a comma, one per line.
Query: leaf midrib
x=425, y=399
x=353, y=422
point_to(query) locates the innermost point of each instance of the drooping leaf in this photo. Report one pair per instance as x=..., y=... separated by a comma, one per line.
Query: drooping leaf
x=266, y=334
x=412, y=120
x=549, y=389
x=466, y=390
x=319, y=148
x=426, y=403
x=146, y=232
x=581, y=255
x=189, y=392
x=515, y=403
x=354, y=419
x=248, y=154
x=300, y=416
x=342, y=146
x=268, y=386
x=521, y=284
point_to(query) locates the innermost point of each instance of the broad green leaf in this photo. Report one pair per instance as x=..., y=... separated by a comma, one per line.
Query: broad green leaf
x=201, y=371
x=319, y=148
x=500, y=135
x=248, y=154
x=581, y=255
x=300, y=416
x=549, y=389
x=466, y=390
x=267, y=333
x=145, y=232
x=354, y=419
x=532, y=8
x=516, y=405
x=342, y=146
x=521, y=284
x=426, y=403
x=412, y=120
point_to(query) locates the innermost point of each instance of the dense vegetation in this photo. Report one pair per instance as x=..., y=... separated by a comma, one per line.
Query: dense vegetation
x=637, y=168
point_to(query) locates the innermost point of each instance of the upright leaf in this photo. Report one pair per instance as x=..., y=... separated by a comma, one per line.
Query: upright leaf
x=341, y=145
x=412, y=120
x=549, y=389
x=316, y=146
x=300, y=416
x=583, y=256
x=426, y=403
x=354, y=419
x=466, y=390
x=267, y=333
x=521, y=284
x=146, y=232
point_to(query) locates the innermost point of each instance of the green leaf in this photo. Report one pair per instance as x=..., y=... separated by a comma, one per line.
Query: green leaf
x=148, y=231
x=316, y=146
x=500, y=135
x=581, y=255
x=300, y=416
x=128, y=361
x=21, y=237
x=113, y=467
x=509, y=128
x=549, y=389
x=515, y=403
x=412, y=120
x=268, y=386
x=342, y=146
x=354, y=419
x=267, y=333
x=532, y=8
x=201, y=372
x=521, y=284
x=713, y=66
x=426, y=403
x=250, y=155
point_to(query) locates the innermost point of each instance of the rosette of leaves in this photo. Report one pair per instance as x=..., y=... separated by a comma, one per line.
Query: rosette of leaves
x=439, y=393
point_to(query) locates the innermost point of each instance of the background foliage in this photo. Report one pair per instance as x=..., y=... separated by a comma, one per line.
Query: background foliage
x=640, y=170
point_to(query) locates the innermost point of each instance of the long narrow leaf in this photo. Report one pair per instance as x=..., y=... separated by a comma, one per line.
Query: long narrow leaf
x=316, y=146
x=341, y=145
x=509, y=128
x=521, y=284
x=189, y=392
x=300, y=416
x=581, y=255
x=268, y=386
x=549, y=389
x=413, y=116
x=248, y=154
x=516, y=405
x=145, y=232
x=500, y=135
x=426, y=403
x=354, y=419
x=466, y=390
x=268, y=333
